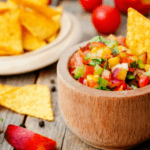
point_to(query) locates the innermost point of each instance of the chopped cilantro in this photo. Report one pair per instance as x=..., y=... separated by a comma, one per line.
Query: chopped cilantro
x=87, y=56
x=105, y=66
x=102, y=88
x=109, y=43
x=130, y=77
x=1, y=119
x=133, y=65
x=115, y=51
x=78, y=72
x=95, y=61
x=102, y=81
x=140, y=64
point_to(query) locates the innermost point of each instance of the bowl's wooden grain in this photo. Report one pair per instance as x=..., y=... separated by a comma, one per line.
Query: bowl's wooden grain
x=103, y=119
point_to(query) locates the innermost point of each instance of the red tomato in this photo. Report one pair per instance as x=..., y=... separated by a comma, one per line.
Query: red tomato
x=106, y=19
x=143, y=80
x=89, y=5
x=122, y=87
x=49, y=2
x=88, y=70
x=123, y=5
x=81, y=80
x=98, y=44
x=92, y=84
x=126, y=60
x=121, y=40
x=106, y=74
x=76, y=60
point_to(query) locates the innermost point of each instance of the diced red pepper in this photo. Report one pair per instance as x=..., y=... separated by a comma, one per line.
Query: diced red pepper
x=88, y=70
x=114, y=83
x=121, y=87
x=121, y=40
x=143, y=80
x=87, y=47
x=81, y=80
x=92, y=84
x=71, y=70
x=106, y=74
x=131, y=69
x=98, y=44
x=126, y=60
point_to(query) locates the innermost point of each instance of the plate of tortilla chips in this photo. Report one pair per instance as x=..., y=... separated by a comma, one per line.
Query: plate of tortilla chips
x=33, y=35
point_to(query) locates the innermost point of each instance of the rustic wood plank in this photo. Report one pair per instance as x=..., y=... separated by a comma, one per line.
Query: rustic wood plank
x=56, y=129
x=10, y=117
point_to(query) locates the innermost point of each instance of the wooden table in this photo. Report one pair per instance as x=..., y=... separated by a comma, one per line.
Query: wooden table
x=57, y=129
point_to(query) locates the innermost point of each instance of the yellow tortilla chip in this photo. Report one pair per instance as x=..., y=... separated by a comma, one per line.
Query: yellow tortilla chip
x=42, y=9
x=40, y=2
x=138, y=33
x=52, y=38
x=38, y=25
x=31, y=42
x=32, y=100
x=4, y=6
x=11, y=34
x=5, y=88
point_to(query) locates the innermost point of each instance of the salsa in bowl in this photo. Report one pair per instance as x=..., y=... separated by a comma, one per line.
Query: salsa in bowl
x=108, y=64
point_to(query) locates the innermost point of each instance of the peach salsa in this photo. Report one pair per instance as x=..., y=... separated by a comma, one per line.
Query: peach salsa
x=107, y=64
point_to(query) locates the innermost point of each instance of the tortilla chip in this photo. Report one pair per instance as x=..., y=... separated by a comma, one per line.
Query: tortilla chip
x=11, y=34
x=138, y=33
x=38, y=25
x=32, y=100
x=42, y=9
x=52, y=38
x=30, y=42
x=40, y=2
x=5, y=6
x=5, y=88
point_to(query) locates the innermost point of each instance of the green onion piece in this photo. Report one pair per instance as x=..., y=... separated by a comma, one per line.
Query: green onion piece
x=133, y=86
x=140, y=64
x=1, y=120
x=95, y=61
x=98, y=70
x=87, y=56
x=133, y=65
x=130, y=77
x=105, y=66
x=78, y=72
x=147, y=73
x=96, y=39
x=102, y=81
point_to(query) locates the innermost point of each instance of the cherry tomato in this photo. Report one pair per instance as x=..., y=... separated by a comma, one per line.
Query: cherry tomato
x=49, y=2
x=123, y=5
x=106, y=19
x=89, y=5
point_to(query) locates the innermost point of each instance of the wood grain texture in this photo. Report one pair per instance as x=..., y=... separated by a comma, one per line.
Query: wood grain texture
x=10, y=117
x=103, y=119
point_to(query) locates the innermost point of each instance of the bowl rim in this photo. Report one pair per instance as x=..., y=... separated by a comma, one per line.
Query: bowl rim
x=63, y=73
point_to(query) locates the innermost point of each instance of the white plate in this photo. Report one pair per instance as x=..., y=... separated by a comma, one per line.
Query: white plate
x=70, y=35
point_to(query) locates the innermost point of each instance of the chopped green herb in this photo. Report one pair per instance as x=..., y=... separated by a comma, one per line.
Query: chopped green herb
x=95, y=61
x=96, y=39
x=105, y=66
x=140, y=64
x=78, y=72
x=102, y=81
x=115, y=51
x=98, y=70
x=133, y=65
x=130, y=77
x=102, y=88
x=111, y=44
x=1, y=120
x=133, y=86
x=87, y=56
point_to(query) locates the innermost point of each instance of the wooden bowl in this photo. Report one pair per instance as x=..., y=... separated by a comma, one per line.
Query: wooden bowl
x=103, y=119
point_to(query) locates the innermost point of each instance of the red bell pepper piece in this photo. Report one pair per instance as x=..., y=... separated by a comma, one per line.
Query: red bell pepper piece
x=88, y=70
x=143, y=80
x=98, y=44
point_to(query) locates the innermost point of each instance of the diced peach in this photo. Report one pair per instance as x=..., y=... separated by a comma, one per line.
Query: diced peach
x=106, y=53
x=123, y=54
x=113, y=61
x=122, y=74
